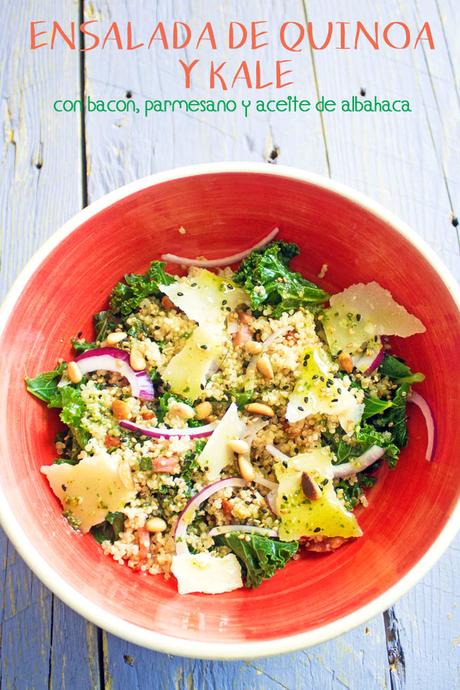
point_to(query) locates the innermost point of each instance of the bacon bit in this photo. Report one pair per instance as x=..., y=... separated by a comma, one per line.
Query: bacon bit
x=242, y=336
x=346, y=362
x=112, y=441
x=143, y=540
x=227, y=507
x=323, y=544
x=166, y=302
x=292, y=335
x=244, y=317
x=148, y=414
x=164, y=464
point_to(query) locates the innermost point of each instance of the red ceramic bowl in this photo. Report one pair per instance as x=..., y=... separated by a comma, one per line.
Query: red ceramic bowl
x=413, y=511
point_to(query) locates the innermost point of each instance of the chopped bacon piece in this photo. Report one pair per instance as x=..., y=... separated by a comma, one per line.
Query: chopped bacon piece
x=164, y=464
x=227, y=507
x=112, y=441
x=143, y=540
x=148, y=414
x=242, y=335
x=323, y=544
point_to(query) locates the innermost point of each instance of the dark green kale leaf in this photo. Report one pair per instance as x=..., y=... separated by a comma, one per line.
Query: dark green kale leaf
x=73, y=409
x=129, y=293
x=260, y=557
x=397, y=370
x=242, y=398
x=82, y=345
x=110, y=529
x=45, y=386
x=353, y=492
x=373, y=406
x=190, y=465
x=394, y=419
x=266, y=277
x=364, y=438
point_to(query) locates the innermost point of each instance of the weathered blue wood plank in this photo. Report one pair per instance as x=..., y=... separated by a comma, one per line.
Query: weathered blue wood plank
x=43, y=642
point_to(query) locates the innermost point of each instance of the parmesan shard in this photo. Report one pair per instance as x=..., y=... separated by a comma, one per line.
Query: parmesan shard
x=203, y=572
x=217, y=453
x=89, y=490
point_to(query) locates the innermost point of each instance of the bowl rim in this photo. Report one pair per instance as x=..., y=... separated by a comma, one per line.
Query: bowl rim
x=244, y=649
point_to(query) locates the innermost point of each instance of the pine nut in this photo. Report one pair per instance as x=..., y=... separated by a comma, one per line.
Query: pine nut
x=346, y=362
x=259, y=408
x=115, y=337
x=74, y=373
x=155, y=524
x=264, y=367
x=252, y=347
x=247, y=471
x=137, y=361
x=203, y=410
x=182, y=410
x=238, y=446
x=120, y=409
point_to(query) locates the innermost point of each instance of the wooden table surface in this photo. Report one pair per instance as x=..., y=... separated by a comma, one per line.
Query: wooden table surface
x=53, y=164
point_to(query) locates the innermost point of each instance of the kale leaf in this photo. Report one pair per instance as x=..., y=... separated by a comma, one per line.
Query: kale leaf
x=373, y=406
x=45, y=386
x=190, y=465
x=73, y=409
x=110, y=529
x=364, y=438
x=397, y=370
x=353, y=492
x=260, y=557
x=394, y=419
x=266, y=277
x=129, y=293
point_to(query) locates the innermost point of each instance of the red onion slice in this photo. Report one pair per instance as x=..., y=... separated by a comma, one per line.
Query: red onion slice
x=225, y=261
x=347, y=469
x=223, y=529
x=270, y=499
x=368, y=363
x=187, y=515
x=163, y=432
x=112, y=359
x=425, y=409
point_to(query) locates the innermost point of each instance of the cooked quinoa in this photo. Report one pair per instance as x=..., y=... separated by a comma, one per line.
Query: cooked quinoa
x=257, y=349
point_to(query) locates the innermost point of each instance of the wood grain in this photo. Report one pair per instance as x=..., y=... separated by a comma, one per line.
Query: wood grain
x=408, y=162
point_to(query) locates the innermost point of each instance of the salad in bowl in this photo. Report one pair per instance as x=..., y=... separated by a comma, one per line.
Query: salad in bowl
x=227, y=414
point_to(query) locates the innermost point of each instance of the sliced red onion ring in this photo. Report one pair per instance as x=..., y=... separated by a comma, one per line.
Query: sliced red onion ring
x=359, y=464
x=163, y=432
x=112, y=359
x=187, y=515
x=425, y=409
x=224, y=261
x=223, y=529
x=270, y=499
x=340, y=471
x=368, y=363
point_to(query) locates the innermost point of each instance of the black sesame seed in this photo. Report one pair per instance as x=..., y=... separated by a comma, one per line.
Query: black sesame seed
x=335, y=400
x=321, y=378
x=193, y=285
x=180, y=294
x=317, y=529
x=299, y=407
x=358, y=317
x=315, y=376
x=305, y=399
x=224, y=301
x=204, y=347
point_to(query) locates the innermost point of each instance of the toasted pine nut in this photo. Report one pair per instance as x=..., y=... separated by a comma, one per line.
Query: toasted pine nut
x=182, y=410
x=115, y=337
x=238, y=446
x=264, y=366
x=203, y=410
x=252, y=347
x=259, y=408
x=74, y=373
x=244, y=317
x=137, y=361
x=167, y=303
x=247, y=471
x=120, y=409
x=346, y=362
x=155, y=524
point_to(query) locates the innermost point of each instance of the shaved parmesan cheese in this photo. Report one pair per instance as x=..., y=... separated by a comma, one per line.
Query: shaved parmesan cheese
x=317, y=391
x=186, y=372
x=301, y=517
x=205, y=297
x=88, y=491
x=203, y=572
x=361, y=313
x=217, y=454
